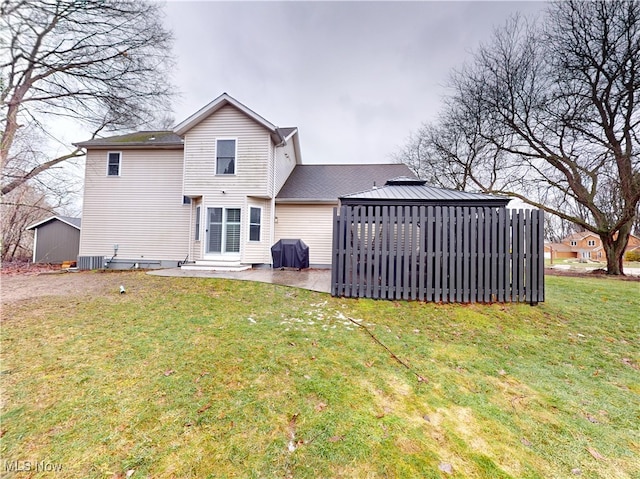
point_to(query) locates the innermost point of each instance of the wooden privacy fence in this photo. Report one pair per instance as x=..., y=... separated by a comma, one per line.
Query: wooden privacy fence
x=438, y=253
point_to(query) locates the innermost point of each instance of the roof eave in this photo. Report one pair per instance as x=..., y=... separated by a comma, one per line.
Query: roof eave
x=130, y=146
x=47, y=220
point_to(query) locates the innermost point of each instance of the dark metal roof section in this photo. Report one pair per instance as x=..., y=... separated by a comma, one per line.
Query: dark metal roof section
x=326, y=183
x=140, y=139
x=411, y=191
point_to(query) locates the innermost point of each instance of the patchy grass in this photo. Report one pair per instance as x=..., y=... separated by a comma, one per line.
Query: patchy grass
x=215, y=378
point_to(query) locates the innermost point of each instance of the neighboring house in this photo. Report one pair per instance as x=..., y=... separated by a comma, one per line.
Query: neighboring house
x=56, y=239
x=585, y=245
x=220, y=190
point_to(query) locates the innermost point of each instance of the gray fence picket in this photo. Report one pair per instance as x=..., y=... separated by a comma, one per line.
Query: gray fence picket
x=473, y=255
x=459, y=254
x=406, y=251
x=441, y=253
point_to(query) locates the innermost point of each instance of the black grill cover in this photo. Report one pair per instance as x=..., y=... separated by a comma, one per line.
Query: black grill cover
x=290, y=253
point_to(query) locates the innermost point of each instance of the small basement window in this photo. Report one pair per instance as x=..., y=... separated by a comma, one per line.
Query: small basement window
x=113, y=163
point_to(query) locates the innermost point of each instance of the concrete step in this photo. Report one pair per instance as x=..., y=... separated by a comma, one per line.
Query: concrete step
x=227, y=266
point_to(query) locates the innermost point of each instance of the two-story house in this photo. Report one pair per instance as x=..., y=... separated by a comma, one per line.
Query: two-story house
x=584, y=245
x=218, y=190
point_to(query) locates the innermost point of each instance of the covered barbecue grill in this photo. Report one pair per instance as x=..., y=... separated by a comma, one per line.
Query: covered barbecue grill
x=290, y=253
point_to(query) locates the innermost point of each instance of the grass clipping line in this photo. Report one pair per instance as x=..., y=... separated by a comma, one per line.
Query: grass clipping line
x=421, y=379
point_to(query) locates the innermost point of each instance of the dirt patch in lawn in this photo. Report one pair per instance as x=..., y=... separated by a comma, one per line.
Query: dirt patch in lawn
x=24, y=286
x=598, y=273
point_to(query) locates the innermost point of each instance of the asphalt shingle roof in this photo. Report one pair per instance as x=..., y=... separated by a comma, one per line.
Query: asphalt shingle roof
x=286, y=131
x=329, y=182
x=146, y=139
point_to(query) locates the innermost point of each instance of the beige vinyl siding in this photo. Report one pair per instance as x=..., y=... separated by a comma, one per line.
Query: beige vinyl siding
x=251, y=252
x=251, y=185
x=313, y=224
x=257, y=252
x=285, y=163
x=252, y=156
x=141, y=210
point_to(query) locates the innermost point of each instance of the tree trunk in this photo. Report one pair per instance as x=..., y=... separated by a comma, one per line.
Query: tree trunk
x=614, y=247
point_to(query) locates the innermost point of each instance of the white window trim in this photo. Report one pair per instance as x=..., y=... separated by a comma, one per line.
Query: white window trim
x=249, y=223
x=205, y=239
x=235, y=158
x=198, y=224
x=119, y=164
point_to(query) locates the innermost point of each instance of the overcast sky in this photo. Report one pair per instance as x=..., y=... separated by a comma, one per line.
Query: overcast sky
x=355, y=77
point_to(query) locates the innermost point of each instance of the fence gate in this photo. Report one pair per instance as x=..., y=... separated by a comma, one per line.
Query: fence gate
x=438, y=253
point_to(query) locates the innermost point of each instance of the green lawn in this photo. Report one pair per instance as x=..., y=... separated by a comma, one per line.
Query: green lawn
x=216, y=378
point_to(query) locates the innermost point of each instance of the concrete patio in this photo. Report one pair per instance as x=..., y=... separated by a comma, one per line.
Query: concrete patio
x=311, y=279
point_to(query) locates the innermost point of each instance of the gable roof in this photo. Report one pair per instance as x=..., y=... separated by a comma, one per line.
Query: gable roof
x=140, y=139
x=326, y=183
x=278, y=134
x=74, y=222
x=579, y=236
x=405, y=190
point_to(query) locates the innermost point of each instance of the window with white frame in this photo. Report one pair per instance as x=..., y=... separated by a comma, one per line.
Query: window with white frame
x=591, y=242
x=113, y=163
x=255, y=221
x=225, y=157
x=574, y=243
x=197, y=234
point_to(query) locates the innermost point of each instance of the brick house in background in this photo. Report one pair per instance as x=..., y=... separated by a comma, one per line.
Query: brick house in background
x=584, y=245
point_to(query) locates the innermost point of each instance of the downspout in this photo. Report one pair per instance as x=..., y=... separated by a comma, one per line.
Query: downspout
x=272, y=234
x=190, y=232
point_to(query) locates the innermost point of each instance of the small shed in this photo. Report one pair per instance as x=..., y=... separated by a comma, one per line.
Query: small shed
x=56, y=239
x=408, y=240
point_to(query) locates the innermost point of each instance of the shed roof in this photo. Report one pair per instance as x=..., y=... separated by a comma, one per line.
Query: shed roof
x=326, y=183
x=71, y=221
x=405, y=190
x=139, y=139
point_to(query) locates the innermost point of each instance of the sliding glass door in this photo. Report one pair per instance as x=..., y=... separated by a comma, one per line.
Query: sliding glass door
x=223, y=230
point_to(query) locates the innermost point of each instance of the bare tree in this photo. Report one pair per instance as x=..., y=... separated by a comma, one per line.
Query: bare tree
x=550, y=112
x=24, y=206
x=104, y=63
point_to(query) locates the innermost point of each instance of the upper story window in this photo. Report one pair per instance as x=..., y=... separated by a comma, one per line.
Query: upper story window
x=225, y=157
x=113, y=163
x=574, y=243
x=591, y=242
